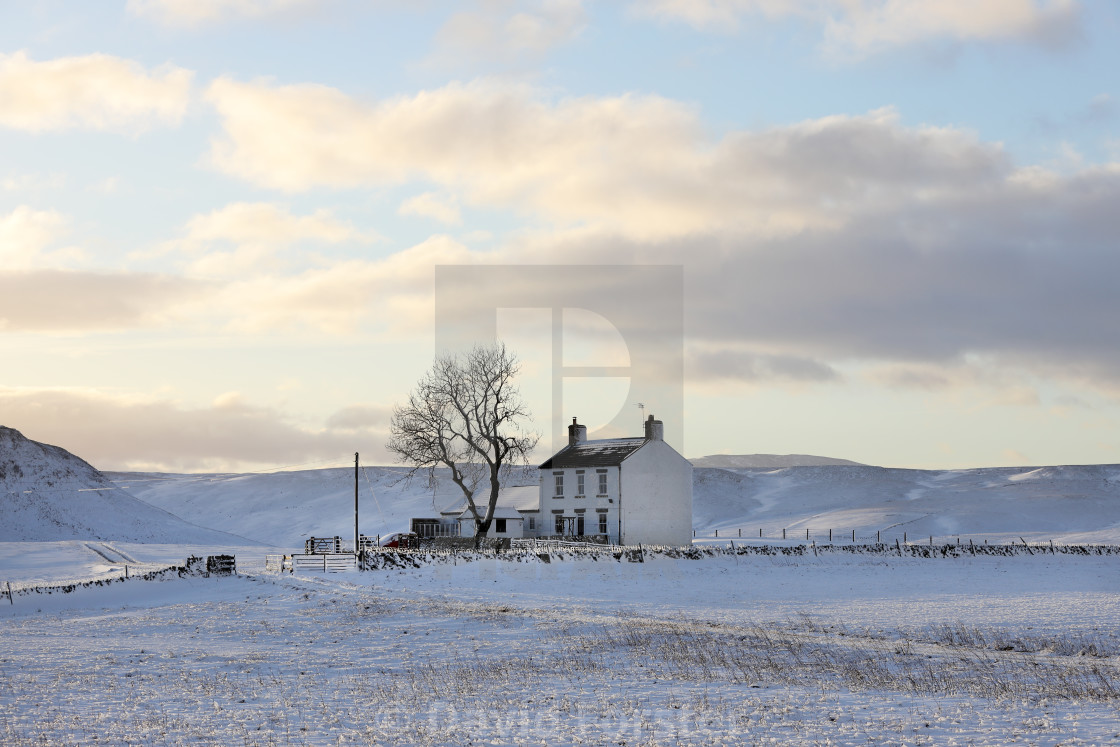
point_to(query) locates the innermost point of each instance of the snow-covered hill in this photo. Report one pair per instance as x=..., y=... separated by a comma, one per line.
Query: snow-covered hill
x=1078, y=503
x=284, y=508
x=1068, y=503
x=48, y=494
x=768, y=461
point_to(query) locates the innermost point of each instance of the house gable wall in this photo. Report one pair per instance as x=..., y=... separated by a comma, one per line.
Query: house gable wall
x=656, y=496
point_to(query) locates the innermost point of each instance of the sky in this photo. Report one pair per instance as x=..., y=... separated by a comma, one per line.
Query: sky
x=897, y=220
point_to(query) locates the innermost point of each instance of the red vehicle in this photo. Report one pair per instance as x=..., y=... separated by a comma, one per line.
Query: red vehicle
x=399, y=539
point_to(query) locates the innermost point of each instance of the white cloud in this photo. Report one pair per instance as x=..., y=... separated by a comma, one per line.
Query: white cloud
x=439, y=207
x=867, y=25
x=94, y=92
x=509, y=31
x=199, y=12
x=30, y=182
x=242, y=235
x=395, y=293
x=637, y=164
x=24, y=235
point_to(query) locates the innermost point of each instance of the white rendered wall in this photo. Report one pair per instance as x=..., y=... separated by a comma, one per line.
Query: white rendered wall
x=513, y=528
x=590, y=503
x=656, y=496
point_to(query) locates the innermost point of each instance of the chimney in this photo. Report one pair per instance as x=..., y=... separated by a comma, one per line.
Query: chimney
x=577, y=433
x=655, y=430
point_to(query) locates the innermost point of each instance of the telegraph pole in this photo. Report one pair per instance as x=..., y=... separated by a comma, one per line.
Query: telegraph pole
x=357, y=547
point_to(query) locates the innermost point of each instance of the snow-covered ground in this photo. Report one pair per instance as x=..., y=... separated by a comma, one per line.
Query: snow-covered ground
x=726, y=649
x=723, y=650
x=1064, y=504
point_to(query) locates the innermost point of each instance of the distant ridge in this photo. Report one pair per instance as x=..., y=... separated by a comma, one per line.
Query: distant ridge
x=769, y=461
x=48, y=494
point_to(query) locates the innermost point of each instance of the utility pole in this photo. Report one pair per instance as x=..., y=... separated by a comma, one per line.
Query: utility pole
x=357, y=547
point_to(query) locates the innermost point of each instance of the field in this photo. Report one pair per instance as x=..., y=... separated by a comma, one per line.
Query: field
x=719, y=650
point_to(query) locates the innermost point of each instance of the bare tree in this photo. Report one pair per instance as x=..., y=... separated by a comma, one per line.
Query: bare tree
x=466, y=415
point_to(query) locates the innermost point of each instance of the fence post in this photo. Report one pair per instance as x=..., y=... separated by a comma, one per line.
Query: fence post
x=741, y=534
x=877, y=540
x=829, y=535
x=806, y=533
x=783, y=533
x=717, y=532
x=10, y=600
x=904, y=537
x=760, y=532
x=853, y=535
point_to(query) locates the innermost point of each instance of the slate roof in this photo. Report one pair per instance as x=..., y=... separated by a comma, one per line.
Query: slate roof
x=607, y=452
x=500, y=512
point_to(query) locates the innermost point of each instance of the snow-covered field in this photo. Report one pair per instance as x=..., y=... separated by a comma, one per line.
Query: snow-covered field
x=723, y=650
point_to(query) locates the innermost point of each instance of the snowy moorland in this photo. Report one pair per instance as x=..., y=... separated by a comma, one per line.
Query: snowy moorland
x=1064, y=504
x=720, y=650
x=556, y=647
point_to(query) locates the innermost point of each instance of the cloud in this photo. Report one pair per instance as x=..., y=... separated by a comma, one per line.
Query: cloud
x=869, y=25
x=31, y=182
x=94, y=92
x=394, y=293
x=433, y=205
x=835, y=240
x=131, y=432
x=242, y=236
x=641, y=165
x=68, y=301
x=24, y=235
x=509, y=31
x=361, y=416
x=191, y=13
x=745, y=366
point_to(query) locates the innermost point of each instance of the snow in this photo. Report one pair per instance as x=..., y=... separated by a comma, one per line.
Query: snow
x=724, y=650
x=50, y=494
x=1064, y=504
x=471, y=649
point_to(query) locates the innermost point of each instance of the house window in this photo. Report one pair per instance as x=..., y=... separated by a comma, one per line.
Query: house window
x=579, y=485
x=532, y=523
x=500, y=526
x=602, y=483
x=559, y=523
x=602, y=523
x=559, y=478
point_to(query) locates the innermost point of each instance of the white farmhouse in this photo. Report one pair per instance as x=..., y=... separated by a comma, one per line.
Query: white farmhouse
x=626, y=490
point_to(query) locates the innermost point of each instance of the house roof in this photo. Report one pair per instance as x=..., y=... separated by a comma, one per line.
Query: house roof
x=500, y=512
x=607, y=452
x=510, y=499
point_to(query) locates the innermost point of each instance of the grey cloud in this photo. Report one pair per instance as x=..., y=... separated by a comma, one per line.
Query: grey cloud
x=56, y=300
x=746, y=366
x=1019, y=270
